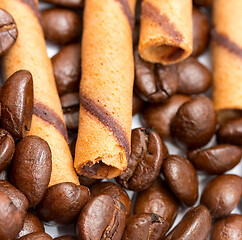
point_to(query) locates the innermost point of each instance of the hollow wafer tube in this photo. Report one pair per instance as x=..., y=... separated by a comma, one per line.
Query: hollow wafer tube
x=103, y=144
x=227, y=58
x=166, y=31
x=29, y=52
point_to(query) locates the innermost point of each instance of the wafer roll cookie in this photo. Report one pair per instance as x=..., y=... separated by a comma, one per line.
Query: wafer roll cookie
x=227, y=58
x=166, y=31
x=103, y=144
x=29, y=52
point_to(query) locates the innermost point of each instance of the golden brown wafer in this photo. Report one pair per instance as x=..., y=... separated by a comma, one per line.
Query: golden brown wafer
x=29, y=52
x=103, y=144
x=166, y=31
x=227, y=58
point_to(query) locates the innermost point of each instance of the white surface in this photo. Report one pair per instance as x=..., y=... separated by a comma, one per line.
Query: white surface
x=203, y=178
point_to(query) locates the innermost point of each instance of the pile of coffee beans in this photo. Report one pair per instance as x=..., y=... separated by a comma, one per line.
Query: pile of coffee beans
x=171, y=109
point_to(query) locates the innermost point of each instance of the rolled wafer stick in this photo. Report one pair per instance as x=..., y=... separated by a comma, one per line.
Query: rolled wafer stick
x=103, y=144
x=29, y=52
x=227, y=58
x=166, y=31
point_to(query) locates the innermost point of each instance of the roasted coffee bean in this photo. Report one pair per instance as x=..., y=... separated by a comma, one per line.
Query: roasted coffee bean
x=193, y=77
x=59, y=199
x=154, y=83
x=229, y=228
x=195, y=122
x=159, y=200
x=36, y=236
x=202, y=2
x=182, y=178
x=222, y=194
x=216, y=160
x=231, y=132
x=102, y=218
x=114, y=191
x=66, y=237
x=137, y=104
x=17, y=103
x=145, y=226
x=160, y=116
x=136, y=35
x=88, y=182
x=66, y=3
x=67, y=68
x=31, y=168
x=17, y=197
x=200, y=32
x=8, y=31
x=31, y=225
x=11, y=219
x=70, y=105
x=4, y=175
x=61, y=26
x=145, y=161
x=7, y=148
x=196, y=224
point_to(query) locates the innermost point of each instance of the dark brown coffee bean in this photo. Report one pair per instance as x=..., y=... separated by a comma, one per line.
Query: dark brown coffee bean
x=11, y=219
x=31, y=168
x=66, y=237
x=182, y=178
x=114, y=191
x=59, y=199
x=231, y=132
x=8, y=31
x=195, y=122
x=202, y=2
x=160, y=116
x=196, y=224
x=193, y=77
x=145, y=160
x=222, y=194
x=88, y=182
x=145, y=226
x=229, y=228
x=102, y=218
x=36, y=236
x=67, y=68
x=66, y=3
x=201, y=30
x=215, y=160
x=17, y=197
x=61, y=26
x=4, y=175
x=17, y=102
x=154, y=83
x=137, y=104
x=7, y=148
x=70, y=106
x=159, y=200
x=31, y=225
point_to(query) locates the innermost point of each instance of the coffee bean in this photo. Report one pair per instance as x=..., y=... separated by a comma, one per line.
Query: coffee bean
x=17, y=104
x=222, y=194
x=66, y=237
x=102, y=218
x=70, y=105
x=215, y=160
x=7, y=148
x=195, y=122
x=8, y=31
x=196, y=224
x=31, y=225
x=31, y=168
x=67, y=68
x=201, y=30
x=160, y=116
x=4, y=175
x=193, y=77
x=145, y=160
x=36, y=236
x=182, y=178
x=61, y=26
x=145, y=226
x=59, y=199
x=228, y=228
x=159, y=200
x=67, y=3
x=88, y=182
x=137, y=104
x=154, y=83
x=114, y=191
x=231, y=132
x=202, y=2
x=17, y=197
x=11, y=219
